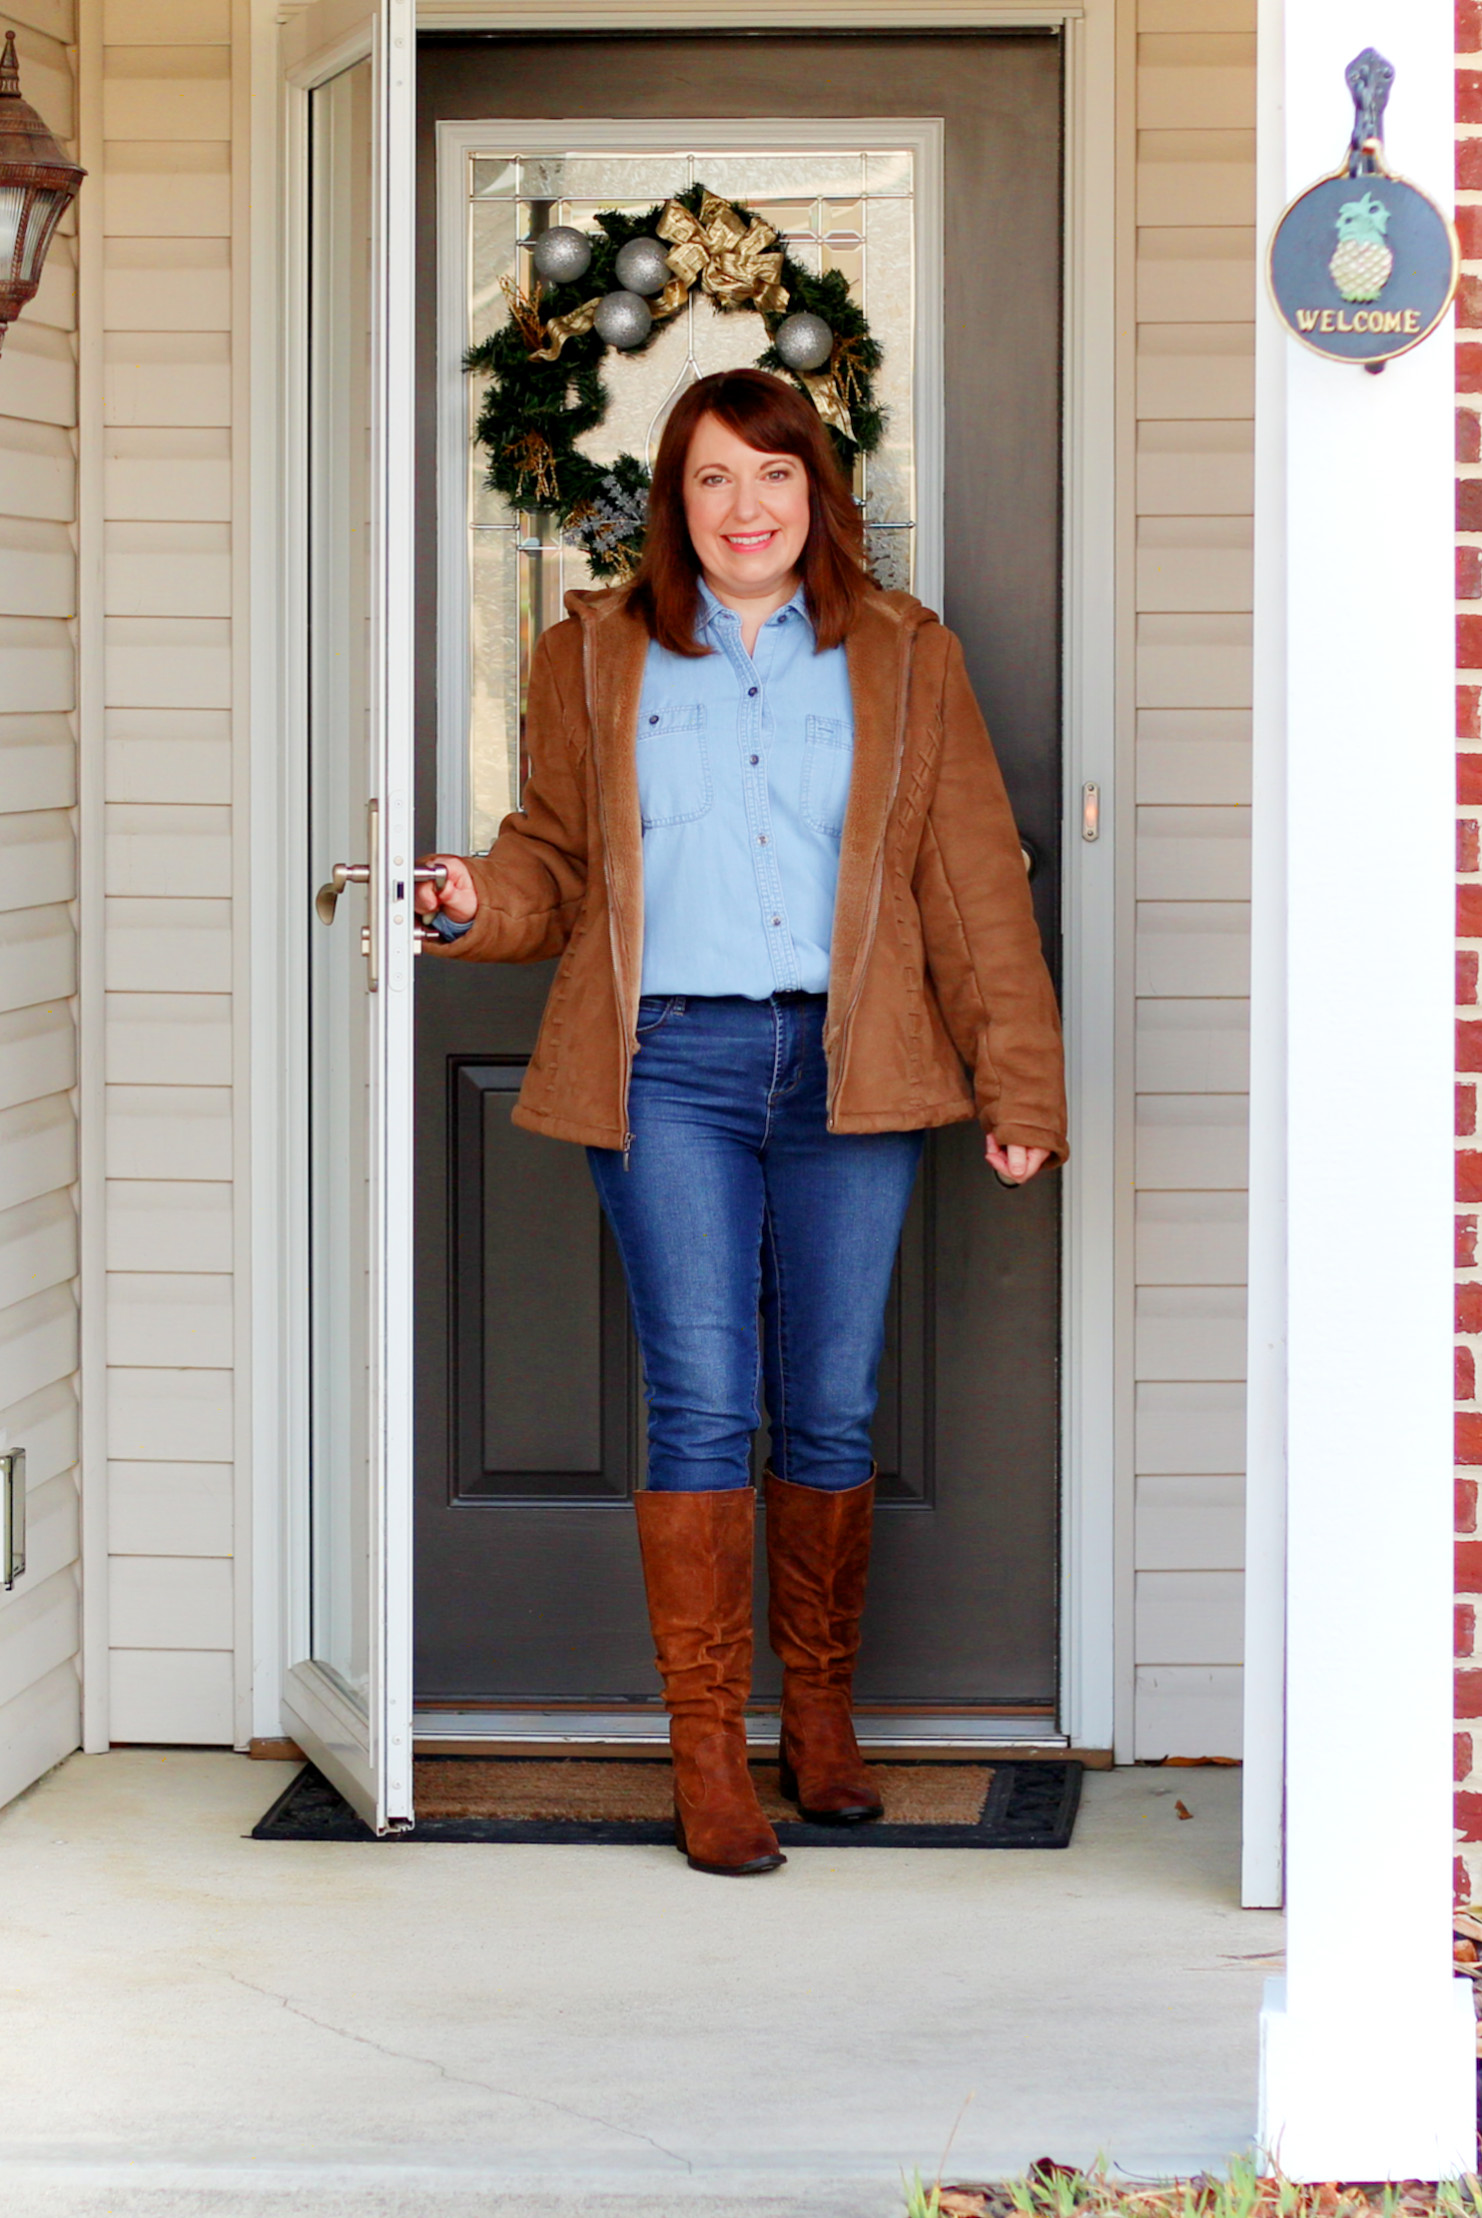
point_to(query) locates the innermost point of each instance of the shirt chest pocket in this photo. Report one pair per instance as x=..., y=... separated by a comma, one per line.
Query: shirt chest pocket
x=828, y=757
x=674, y=782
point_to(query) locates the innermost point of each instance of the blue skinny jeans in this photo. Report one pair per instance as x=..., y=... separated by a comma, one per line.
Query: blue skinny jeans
x=738, y=1199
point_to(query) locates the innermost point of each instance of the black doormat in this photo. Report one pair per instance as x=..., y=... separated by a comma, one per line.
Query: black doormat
x=583, y=1800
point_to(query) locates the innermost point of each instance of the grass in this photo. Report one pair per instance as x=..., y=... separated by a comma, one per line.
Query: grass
x=1050, y=2190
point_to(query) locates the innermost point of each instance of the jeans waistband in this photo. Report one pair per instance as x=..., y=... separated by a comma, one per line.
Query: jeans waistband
x=789, y=1000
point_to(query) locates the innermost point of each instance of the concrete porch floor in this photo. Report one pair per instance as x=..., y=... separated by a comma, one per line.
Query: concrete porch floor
x=197, y=2023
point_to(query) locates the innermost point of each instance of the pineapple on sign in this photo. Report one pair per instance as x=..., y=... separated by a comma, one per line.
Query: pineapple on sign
x=1361, y=261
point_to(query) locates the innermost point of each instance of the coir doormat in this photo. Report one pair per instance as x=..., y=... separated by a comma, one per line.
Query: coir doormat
x=580, y=1799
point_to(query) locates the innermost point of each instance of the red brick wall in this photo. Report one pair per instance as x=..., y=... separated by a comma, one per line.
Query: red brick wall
x=1469, y=946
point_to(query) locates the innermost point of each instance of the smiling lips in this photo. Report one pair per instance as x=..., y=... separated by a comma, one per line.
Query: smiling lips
x=745, y=542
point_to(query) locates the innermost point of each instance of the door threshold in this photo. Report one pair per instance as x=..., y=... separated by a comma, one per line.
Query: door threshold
x=559, y=1732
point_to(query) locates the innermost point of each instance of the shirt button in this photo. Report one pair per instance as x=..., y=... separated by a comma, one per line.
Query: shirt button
x=653, y=720
x=751, y=692
x=761, y=839
x=753, y=760
x=776, y=920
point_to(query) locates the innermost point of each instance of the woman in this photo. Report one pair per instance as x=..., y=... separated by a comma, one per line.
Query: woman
x=765, y=832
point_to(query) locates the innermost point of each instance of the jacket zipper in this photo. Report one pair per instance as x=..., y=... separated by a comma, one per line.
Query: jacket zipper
x=836, y=1076
x=624, y=1028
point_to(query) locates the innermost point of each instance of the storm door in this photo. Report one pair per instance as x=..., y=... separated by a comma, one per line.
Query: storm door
x=348, y=97
x=929, y=172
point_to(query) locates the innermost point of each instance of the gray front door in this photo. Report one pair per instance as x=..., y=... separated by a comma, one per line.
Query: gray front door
x=529, y=1439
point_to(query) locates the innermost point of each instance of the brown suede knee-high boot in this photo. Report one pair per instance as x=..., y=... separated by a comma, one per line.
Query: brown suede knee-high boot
x=697, y=1570
x=818, y=1559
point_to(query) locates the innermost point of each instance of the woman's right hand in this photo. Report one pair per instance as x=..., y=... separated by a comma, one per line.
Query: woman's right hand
x=458, y=900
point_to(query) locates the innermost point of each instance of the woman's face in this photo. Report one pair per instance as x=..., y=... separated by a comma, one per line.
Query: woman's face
x=747, y=514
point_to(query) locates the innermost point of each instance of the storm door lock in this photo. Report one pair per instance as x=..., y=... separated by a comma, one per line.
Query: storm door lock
x=326, y=900
x=12, y=1516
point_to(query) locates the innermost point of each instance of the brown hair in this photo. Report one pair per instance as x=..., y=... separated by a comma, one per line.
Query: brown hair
x=772, y=418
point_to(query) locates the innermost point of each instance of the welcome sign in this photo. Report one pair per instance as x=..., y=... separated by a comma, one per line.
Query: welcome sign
x=1363, y=266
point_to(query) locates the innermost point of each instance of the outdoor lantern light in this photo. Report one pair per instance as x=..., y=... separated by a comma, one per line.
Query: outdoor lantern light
x=37, y=185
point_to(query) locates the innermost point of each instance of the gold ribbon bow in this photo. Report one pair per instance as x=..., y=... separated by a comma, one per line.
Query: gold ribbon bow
x=736, y=263
x=823, y=389
x=562, y=328
x=733, y=260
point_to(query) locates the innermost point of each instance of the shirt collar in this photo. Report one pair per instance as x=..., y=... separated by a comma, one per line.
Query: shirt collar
x=710, y=608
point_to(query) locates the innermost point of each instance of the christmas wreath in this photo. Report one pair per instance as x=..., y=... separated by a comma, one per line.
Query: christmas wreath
x=617, y=287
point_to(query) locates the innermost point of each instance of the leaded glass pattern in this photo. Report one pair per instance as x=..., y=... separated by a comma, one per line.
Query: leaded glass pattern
x=834, y=209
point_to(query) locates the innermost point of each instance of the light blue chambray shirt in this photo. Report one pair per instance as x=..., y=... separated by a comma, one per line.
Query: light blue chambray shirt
x=743, y=777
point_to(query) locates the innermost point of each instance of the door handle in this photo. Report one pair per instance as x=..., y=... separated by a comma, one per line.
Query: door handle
x=427, y=874
x=326, y=900
x=344, y=874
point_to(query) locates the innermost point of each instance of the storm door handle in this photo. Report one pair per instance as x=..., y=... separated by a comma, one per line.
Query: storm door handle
x=326, y=899
x=427, y=874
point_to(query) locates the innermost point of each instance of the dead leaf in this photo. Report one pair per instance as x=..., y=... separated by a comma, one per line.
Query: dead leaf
x=1183, y=1810
x=1464, y=1951
x=962, y=2202
x=1462, y=1921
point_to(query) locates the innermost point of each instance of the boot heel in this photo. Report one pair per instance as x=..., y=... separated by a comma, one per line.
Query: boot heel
x=857, y=1813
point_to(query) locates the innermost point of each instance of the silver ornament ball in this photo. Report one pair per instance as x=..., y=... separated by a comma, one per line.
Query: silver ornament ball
x=804, y=341
x=623, y=320
x=561, y=255
x=643, y=266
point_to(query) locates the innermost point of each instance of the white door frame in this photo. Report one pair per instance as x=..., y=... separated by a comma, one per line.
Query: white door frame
x=1095, y=1583
x=368, y=1756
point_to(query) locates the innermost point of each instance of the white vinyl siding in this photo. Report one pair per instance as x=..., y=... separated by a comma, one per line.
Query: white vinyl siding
x=1196, y=279
x=167, y=562
x=39, y=1618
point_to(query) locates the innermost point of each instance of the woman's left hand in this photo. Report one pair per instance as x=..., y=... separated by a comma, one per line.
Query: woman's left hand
x=1015, y=1164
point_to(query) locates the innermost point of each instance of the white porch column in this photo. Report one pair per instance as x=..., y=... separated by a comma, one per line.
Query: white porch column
x=1367, y=2046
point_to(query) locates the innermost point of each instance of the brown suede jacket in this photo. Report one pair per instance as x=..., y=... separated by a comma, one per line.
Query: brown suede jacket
x=940, y=1006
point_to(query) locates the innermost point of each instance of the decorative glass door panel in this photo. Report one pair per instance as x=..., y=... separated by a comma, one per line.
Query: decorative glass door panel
x=866, y=212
